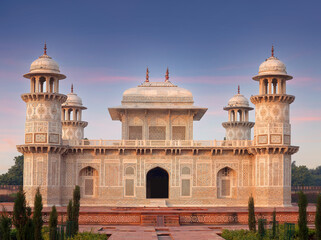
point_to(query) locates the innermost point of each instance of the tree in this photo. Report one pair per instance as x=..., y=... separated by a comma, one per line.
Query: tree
x=29, y=228
x=303, y=228
x=261, y=228
x=318, y=218
x=53, y=222
x=301, y=175
x=14, y=176
x=20, y=218
x=69, y=211
x=37, y=215
x=75, y=208
x=251, y=220
x=274, y=224
x=69, y=223
x=5, y=225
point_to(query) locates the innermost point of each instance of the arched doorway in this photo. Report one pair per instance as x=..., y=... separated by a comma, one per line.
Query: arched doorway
x=157, y=183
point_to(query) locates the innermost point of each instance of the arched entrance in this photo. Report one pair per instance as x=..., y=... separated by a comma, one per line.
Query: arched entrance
x=157, y=183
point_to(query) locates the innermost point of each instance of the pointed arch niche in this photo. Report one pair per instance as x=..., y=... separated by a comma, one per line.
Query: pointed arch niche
x=88, y=181
x=226, y=183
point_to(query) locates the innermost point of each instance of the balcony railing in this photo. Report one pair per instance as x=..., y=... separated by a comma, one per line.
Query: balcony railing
x=161, y=143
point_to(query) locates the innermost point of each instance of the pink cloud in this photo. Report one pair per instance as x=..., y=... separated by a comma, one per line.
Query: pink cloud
x=302, y=80
x=306, y=119
x=306, y=115
x=8, y=142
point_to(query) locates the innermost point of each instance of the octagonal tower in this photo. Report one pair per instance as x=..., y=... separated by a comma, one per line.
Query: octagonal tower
x=43, y=143
x=272, y=134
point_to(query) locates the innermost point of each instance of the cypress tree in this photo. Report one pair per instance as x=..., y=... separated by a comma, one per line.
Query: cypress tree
x=69, y=211
x=37, y=216
x=318, y=218
x=20, y=218
x=261, y=229
x=29, y=228
x=53, y=222
x=303, y=228
x=274, y=224
x=75, y=208
x=69, y=223
x=251, y=219
x=5, y=225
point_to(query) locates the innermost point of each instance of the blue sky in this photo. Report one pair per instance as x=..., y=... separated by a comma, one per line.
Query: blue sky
x=209, y=46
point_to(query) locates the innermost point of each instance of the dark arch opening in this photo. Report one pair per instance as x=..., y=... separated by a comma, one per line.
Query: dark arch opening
x=157, y=183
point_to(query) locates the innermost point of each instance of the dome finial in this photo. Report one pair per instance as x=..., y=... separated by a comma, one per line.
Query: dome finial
x=45, y=49
x=167, y=75
x=238, y=89
x=272, y=51
x=72, y=88
x=147, y=75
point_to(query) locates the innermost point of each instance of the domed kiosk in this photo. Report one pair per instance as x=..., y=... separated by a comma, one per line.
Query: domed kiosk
x=157, y=111
x=238, y=126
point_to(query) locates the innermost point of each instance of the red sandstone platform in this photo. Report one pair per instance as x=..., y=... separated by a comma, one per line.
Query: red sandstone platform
x=175, y=216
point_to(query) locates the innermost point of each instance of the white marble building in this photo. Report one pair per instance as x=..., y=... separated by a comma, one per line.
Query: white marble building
x=157, y=161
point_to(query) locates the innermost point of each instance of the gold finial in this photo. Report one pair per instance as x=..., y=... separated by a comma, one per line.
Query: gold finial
x=147, y=75
x=238, y=89
x=272, y=51
x=45, y=49
x=72, y=88
x=167, y=75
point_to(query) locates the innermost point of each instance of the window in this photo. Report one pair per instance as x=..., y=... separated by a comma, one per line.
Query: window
x=89, y=187
x=157, y=133
x=135, y=132
x=186, y=187
x=178, y=132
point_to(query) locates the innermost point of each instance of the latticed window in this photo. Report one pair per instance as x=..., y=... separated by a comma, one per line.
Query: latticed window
x=186, y=187
x=135, y=133
x=178, y=132
x=226, y=187
x=225, y=172
x=157, y=133
x=89, y=187
x=89, y=171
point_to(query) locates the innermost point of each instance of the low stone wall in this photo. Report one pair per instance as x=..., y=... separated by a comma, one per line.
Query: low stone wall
x=176, y=216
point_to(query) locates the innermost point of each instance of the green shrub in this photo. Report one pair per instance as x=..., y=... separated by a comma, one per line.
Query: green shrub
x=79, y=236
x=88, y=236
x=239, y=235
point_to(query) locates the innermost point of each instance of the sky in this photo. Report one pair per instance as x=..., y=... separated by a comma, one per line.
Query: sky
x=210, y=47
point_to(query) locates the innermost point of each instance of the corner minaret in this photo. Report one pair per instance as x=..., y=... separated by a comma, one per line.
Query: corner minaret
x=71, y=117
x=43, y=144
x=272, y=135
x=272, y=105
x=238, y=126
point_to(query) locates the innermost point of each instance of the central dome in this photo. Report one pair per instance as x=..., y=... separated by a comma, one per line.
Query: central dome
x=157, y=92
